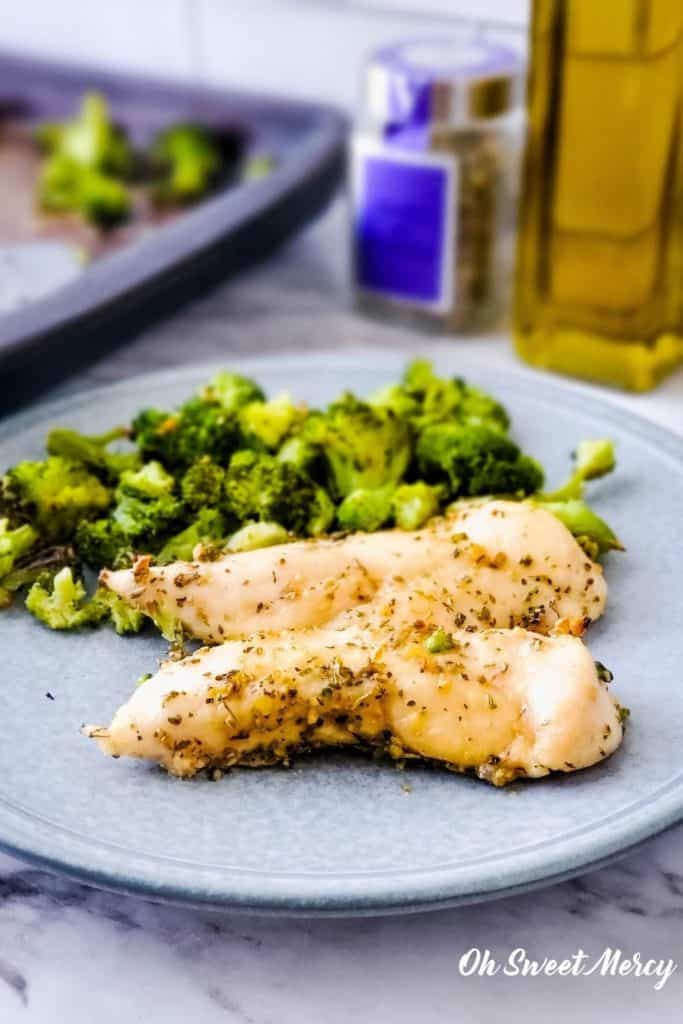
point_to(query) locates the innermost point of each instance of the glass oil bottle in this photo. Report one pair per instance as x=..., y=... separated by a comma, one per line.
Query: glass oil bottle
x=599, y=277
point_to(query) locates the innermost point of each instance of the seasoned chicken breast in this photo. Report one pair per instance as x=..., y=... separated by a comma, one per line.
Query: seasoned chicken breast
x=498, y=563
x=502, y=703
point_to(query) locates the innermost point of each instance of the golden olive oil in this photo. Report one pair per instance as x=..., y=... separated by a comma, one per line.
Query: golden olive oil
x=599, y=280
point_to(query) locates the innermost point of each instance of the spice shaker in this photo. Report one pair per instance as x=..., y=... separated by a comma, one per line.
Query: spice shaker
x=434, y=177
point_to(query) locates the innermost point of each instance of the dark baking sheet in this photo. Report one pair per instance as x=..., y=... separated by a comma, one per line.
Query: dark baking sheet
x=150, y=274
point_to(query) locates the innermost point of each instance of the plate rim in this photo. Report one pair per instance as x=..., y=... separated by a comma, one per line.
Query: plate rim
x=389, y=892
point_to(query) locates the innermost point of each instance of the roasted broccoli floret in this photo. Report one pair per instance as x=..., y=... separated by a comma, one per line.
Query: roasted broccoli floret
x=363, y=447
x=102, y=542
x=150, y=481
x=145, y=508
x=92, y=451
x=66, y=606
x=266, y=424
x=87, y=159
x=476, y=460
x=190, y=161
x=57, y=494
x=302, y=454
x=202, y=484
x=64, y=186
x=413, y=504
x=398, y=399
x=145, y=520
x=321, y=512
x=155, y=432
x=91, y=138
x=205, y=425
x=451, y=398
x=208, y=529
x=13, y=545
x=365, y=509
x=10, y=502
x=231, y=391
x=36, y=565
x=124, y=618
x=424, y=398
x=200, y=427
x=258, y=535
x=259, y=487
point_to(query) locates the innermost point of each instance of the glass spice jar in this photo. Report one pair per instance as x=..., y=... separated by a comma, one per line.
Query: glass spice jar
x=434, y=181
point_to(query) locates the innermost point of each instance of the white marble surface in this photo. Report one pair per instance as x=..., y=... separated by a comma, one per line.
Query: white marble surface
x=72, y=953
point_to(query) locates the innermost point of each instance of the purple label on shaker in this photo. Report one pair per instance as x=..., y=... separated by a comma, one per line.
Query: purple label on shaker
x=403, y=225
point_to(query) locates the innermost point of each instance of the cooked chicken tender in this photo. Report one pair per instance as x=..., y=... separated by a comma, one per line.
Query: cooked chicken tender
x=497, y=563
x=501, y=703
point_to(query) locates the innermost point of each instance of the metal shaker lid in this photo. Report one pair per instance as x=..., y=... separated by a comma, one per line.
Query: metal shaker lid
x=443, y=82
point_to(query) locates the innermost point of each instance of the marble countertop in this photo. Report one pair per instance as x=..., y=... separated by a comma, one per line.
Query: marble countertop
x=68, y=952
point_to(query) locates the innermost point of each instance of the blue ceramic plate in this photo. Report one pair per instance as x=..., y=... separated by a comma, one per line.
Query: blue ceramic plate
x=341, y=834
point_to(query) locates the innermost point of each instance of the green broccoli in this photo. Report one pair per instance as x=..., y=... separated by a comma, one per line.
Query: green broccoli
x=145, y=520
x=321, y=512
x=13, y=545
x=439, y=642
x=102, y=542
x=57, y=494
x=149, y=481
x=200, y=427
x=208, y=529
x=439, y=398
x=365, y=509
x=10, y=503
x=66, y=606
x=124, y=618
x=302, y=454
x=202, y=484
x=474, y=460
x=424, y=398
x=258, y=535
x=413, y=504
x=266, y=424
x=592, y=460
x=145, y=507
x=205, y=425
x=92, y=451
x=445, y=398
x=259, y=487
x=40, y=565
x=398, y=399
x=190, y=160
x=592, y=532
x=64, y=185
x=231, y=391
x=478, y=407
x=91, y=139
x=363, y=447
x=87, y=159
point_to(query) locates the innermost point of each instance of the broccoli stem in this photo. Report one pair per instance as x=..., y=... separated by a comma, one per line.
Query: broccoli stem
x=584, y=524
x=593, y=459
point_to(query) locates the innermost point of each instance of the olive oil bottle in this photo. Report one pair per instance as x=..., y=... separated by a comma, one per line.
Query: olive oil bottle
x=599, y=279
